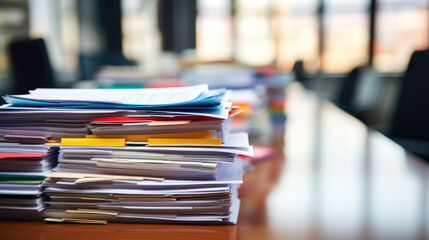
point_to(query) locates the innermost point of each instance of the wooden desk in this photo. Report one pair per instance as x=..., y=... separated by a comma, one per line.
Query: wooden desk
x=332, y=178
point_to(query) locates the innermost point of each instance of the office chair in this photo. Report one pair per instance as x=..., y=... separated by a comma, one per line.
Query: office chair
x=359, y=93
x=347, y=90
x=409, y=123
x=298, y=70
x=300, y=75
x=30, y=65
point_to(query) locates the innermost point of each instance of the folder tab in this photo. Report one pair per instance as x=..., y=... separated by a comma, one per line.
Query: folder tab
x=184, y=141
x=21, y=155
x=99, y=142
x=92, y=211
x=75, y=220
x=168, y=123
x=99, y=176
x=145, y=137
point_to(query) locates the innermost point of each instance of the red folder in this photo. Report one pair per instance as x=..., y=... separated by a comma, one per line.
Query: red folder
x=21, y=155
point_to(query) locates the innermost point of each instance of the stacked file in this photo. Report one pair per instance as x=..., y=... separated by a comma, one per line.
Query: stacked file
x=30, y=125
x=184, y=161
x=148, y=155
x=22, y=170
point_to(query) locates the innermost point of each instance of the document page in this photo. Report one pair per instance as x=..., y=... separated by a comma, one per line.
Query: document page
x=156, y=96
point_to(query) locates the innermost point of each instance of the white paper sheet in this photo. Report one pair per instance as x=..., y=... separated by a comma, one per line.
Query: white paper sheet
x=124, y=96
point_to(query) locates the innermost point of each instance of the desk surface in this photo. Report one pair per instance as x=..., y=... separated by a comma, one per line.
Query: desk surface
x=332, y=178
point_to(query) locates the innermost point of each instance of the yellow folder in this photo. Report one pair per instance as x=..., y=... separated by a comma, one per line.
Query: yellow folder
x=99, y=142
x=184, y=141
x=145, y=137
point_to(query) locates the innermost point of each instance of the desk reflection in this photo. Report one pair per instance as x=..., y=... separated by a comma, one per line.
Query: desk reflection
x=340, y=180
x=257, y=186
x=44, y=231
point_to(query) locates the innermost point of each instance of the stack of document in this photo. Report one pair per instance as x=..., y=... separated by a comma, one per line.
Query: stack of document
x=51, y=114
x=146, y=155
x=146, y=126
x=168, y=159
x=99, y=198
x=30, y=125
x=22, y=170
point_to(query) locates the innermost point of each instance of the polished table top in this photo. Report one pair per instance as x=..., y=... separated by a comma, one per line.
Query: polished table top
x=332, y=178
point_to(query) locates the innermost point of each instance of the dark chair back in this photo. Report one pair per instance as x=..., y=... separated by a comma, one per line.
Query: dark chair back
x=30, y=65
x=360, y=93
x=347, y=90
x=411, y=116
x=299, y=72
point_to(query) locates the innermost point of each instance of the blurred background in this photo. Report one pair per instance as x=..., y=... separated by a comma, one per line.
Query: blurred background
x=355, y=53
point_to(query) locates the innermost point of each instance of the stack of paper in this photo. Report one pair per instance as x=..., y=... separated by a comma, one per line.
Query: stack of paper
x=126, y=198
x=148, y=155
x=22, y=170
x=173, y=158
x=146, y=126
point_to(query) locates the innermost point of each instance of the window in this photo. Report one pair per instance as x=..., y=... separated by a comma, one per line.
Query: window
x=346, y=35
x=141, y=40
x=401, y=28
x=57, y=23
x=297, y=34
x=254, y=34
x=214, y=30
x=13, y=22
